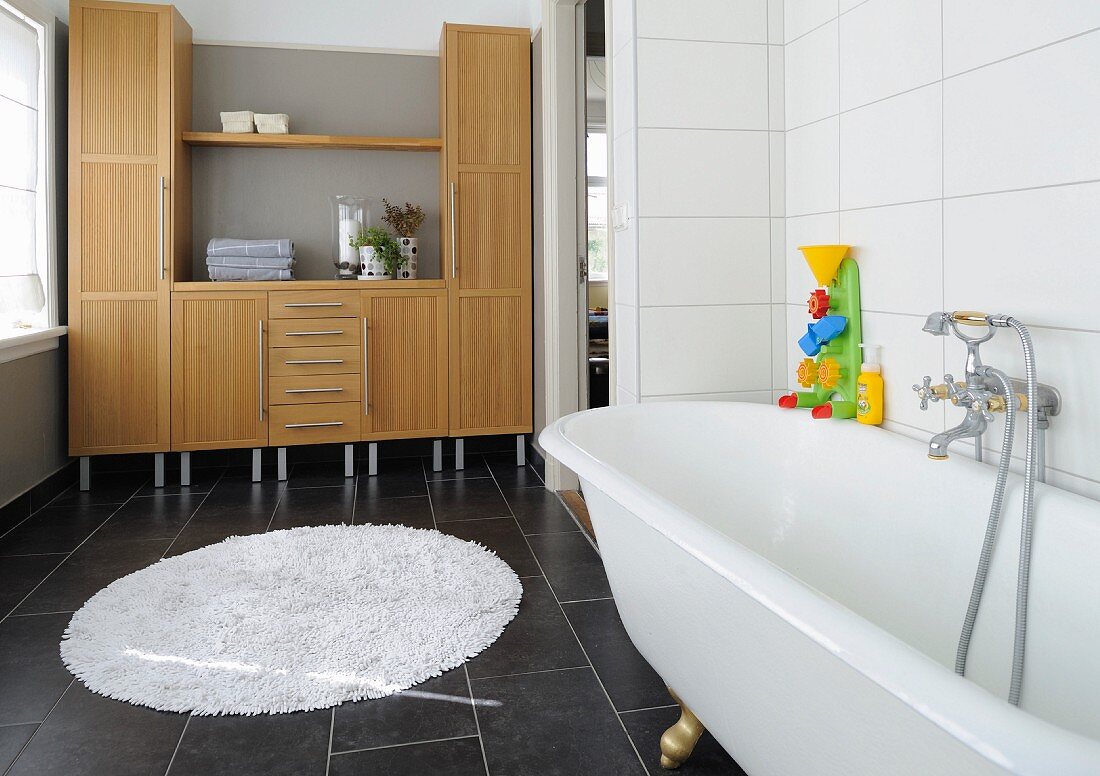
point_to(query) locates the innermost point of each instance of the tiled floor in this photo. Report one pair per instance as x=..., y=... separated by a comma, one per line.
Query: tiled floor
x=562, y=691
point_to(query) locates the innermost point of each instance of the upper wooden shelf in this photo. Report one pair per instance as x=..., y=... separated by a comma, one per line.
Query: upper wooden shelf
x=353, y=142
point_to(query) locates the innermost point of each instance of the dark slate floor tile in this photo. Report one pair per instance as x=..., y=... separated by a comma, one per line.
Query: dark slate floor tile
x=93, y=735
x=398, y=478
x=467, y=500
x=557, y=722
x=202, y=481
x=107, y=488
x=538, y=639
x=574, y=569
x=32, y=676
x=413, y=511
x=502, y=536
x=460, y=757
x=315, y=506
x=12, y=740
x=708, y=759
x=508, y=475
x=19, y=575
x=265, y=745
x=318, y=474
x=475, y=468
x=435, y=709
x=91, y=568
x=625, y=674
x=152, y=517
x=538, y=510
x=243, y=495
x=55, y=529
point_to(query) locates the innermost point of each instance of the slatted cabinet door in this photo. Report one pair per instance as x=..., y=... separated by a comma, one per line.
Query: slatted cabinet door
x=405, y=358
x=486, y=105
x=219, y=379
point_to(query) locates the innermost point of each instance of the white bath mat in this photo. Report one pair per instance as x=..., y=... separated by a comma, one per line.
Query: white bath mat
x=292, y=620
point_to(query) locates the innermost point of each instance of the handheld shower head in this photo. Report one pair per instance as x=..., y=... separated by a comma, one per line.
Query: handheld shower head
x=938, y=323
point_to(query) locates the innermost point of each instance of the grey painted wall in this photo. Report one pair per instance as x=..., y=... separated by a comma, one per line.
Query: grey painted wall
x=285, y=193
x=539, y=305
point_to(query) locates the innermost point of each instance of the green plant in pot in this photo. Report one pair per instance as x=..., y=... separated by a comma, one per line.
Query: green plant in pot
x=405, y=221
x=379, y=253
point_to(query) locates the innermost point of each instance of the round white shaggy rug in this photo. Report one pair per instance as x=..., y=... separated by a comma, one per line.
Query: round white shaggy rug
x=292, y=620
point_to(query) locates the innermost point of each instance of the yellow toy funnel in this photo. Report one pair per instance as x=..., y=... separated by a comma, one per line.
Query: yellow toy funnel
x=824, y=260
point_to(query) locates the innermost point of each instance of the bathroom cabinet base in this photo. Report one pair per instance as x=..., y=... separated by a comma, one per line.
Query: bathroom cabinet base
x=185, y=469
x=256, y=460
x=85, y=472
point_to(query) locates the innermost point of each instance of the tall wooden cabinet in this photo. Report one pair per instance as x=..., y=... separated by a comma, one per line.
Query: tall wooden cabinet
x=129, y=99
x=485, y=103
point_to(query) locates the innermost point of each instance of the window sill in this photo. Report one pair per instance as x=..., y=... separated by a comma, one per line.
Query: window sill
x=30, y=342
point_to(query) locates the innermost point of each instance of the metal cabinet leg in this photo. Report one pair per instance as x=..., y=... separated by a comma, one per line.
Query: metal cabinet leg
x=256, y=460
x=372, y=459
x=460, y=454
x=437, y=455
x=185, y=469
x=521, y=450
x=85, y=473
x=349, y=460
x=280, y=454
x=158, y=470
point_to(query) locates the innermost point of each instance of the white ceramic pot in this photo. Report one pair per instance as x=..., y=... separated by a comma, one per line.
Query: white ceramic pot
x=372, y=268
x=407, y=271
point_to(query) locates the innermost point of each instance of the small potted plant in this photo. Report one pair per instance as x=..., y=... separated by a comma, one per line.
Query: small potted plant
x=379, y=253
x=405, y=221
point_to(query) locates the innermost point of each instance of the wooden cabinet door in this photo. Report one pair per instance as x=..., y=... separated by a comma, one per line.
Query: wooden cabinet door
x=487, y=242
x=120, y=218
x=405, y=364
x=219, y=380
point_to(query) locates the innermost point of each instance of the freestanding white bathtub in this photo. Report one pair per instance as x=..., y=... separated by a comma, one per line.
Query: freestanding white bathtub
x=801, y=585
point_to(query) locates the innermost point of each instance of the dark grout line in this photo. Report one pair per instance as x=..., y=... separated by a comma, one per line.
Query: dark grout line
x=407, y=743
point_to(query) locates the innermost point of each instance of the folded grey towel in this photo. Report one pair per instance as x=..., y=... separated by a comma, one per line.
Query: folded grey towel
x=250, y=262
x=232, y=246
x=236, y=273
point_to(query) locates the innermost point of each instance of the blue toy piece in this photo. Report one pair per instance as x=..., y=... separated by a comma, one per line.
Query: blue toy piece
x=821, y=332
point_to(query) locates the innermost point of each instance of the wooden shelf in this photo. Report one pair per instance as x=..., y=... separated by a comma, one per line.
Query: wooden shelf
x=345, y=142
x=308, y=285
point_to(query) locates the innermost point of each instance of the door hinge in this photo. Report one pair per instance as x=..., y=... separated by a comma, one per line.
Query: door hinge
x=582, y=269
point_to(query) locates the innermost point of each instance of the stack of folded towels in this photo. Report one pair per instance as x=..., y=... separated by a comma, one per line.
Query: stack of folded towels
x=229, y=258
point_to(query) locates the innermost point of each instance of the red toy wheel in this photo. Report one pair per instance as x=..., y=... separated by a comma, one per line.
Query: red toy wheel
x=818, y=303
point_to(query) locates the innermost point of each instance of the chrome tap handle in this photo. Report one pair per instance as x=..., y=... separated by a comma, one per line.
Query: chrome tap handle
x=925, y=392
x=954, y=393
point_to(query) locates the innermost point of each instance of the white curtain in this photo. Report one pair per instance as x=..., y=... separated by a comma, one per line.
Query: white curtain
x=20, y=284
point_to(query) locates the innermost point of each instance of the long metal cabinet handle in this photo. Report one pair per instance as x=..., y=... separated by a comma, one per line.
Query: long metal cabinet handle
x=314, y=425
x=454, y=260
x=317, y=361
x=313, y=390
x=160, y=227
x=260, y=381
x=311, y=333
x=366, y=369
x=314, y=304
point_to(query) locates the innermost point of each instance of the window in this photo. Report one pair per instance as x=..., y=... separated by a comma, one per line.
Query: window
x=27, y=294
x=596, y=164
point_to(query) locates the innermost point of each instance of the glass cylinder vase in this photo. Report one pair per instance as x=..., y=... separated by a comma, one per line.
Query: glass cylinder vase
x=350, y=215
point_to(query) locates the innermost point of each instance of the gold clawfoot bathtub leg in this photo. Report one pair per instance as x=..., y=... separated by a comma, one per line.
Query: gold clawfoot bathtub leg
x=679, y=741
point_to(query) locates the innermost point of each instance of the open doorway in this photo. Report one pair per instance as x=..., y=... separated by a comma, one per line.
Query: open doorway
x=595, y=347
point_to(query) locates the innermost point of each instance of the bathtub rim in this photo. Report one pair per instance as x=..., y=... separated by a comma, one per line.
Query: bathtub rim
x=961, y=708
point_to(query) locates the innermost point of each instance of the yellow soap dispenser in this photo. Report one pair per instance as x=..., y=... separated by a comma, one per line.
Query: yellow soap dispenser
x=869, y=388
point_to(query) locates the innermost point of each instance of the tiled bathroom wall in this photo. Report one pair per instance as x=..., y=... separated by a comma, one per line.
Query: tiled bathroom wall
x=957, y=146
x=696, y=124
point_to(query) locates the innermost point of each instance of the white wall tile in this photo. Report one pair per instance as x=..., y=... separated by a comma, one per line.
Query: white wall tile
x=780, y=367
x=705, y=349
x=801, y=16
x=704, y=261
x=847, y=5
x=624, y=264
x=907, y=354
x=887, y=47
x=623, y=396
x=775, y=22
x=899, y=252
x=779, y=259
x=811, y=77
x=820, y=229
x=623, y=95
x=702, y=85
x=813, y=168
x=891, y=151
x=778, y=173
x=1038, y=250
x=686, y=172
x=977, y=32
x=1029, y=121
x=776, y=120
x=753, y=397
x=625, y=322
x=620, y=17
x=730, y=21
x=624, y=171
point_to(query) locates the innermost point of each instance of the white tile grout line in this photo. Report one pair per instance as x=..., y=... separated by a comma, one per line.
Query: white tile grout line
x=575, y=636
x=194, y=512
x=649, y=708
x=40, y=724
x=179, y=742
x=331, y=731
x=532, y=673
x=407, y=743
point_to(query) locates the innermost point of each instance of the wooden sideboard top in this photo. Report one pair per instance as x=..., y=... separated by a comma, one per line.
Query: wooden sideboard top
x=308, y=285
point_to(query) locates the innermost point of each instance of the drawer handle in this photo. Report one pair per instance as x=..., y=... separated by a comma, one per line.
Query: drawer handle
x=314, y=425
x=314, y=304
x=312, y=333
x=317, y=361
x=313, y=390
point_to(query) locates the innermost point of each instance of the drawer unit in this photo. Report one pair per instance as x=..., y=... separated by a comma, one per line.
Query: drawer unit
x=313, y=304
x=315, y=389
x=296, y=332
x=315, y=361
x=310, y=424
